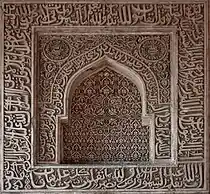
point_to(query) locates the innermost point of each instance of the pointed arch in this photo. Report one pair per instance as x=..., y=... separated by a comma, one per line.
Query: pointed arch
x=116, y=66
x=97, y=66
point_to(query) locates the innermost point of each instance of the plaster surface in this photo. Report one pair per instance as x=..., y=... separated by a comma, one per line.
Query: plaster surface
x=106, y=97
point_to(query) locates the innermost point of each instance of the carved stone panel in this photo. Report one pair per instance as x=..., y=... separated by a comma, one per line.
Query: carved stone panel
x=105, y=96
x=105, y=121
x=154, y=79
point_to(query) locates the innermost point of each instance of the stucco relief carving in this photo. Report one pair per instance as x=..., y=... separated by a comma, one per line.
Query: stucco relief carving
x=57, y=49
x=34, y=107
x=105, y=121
x=156, y=78
x=152, y=49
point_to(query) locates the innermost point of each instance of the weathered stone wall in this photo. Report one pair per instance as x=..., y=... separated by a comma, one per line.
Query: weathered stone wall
x=50, y=47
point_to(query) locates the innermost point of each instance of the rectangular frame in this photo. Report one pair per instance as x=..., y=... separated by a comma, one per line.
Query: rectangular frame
x=182, y=166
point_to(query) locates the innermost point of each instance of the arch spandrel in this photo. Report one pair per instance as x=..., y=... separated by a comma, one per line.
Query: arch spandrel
x=73, y=67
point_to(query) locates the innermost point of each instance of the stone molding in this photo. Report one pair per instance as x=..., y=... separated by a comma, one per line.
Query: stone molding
x=21, y=171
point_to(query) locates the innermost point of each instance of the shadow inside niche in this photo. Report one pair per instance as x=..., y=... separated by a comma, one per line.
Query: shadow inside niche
x=104, y=121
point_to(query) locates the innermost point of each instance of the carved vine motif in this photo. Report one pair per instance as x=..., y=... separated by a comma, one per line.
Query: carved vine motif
x=54, y=78
x=18, y=22
x=105, y=121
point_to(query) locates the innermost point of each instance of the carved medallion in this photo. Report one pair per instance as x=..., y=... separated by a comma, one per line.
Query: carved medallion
x=57, y=49
x=152, y=49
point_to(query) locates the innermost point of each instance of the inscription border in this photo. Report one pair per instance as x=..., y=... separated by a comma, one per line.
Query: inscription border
x=204, y=189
